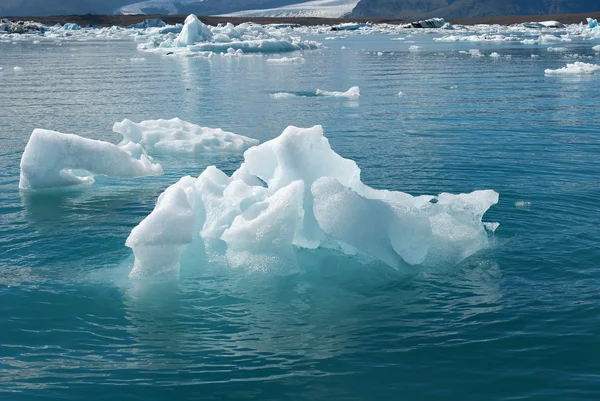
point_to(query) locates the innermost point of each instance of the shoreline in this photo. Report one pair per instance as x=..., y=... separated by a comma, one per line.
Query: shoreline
x=126, y=20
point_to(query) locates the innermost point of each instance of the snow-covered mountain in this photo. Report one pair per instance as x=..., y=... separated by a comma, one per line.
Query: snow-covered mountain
x=314, y=8
x=158, y=6
x=201, y=7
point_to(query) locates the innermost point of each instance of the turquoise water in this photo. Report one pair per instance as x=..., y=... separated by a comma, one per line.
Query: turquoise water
x=518, y=321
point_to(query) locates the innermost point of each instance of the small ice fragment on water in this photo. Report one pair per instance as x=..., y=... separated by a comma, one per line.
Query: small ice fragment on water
x=557, y=49
x=353, y=92
x=535, y=55
x=522, y=204
x=398, y=39
x=475, y=53
x=414, y=48
x=400, y=93
x=282, y=95
x=285, y=60
x=596, y=48
x=36, y=42
x=494, y=55
x=137, y=59
x=343, y=47
x=380, y=53
x=17, y=68
x=451, y=87
x=575, y=69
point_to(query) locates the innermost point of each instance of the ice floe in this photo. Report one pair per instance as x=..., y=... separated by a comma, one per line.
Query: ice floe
x=197, y=37
x=52, y=159
x=295, y=192
x=286, y=60
x=178, y=136
x=352, y=93
x=575, y=69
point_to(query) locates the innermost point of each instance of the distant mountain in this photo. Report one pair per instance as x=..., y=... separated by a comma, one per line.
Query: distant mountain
x=312, y=8
x=76, y=7
x=200, y=7
x=412, y=9
x=58, y=7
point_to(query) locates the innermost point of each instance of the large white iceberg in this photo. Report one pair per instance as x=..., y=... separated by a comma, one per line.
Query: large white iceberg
x=295, y=192
x=575, y=68
x=52, y=159
x=178, y=136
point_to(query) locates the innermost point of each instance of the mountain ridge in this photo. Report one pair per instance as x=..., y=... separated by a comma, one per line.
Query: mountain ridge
x=413, y=9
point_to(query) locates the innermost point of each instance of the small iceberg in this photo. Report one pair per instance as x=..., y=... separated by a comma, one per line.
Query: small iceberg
x=177, y=136
x=353, y=93
x=286, y=60
x=52, y=159
x=576, y=68
x=428, y=23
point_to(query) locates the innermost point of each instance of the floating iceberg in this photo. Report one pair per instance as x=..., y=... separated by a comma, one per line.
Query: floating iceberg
x=596, y=48
x=575, y=69
x=428, y=23
x=295, y=192
x=353, y=93
x=286, y=60
x=196, y=37
x=282, y=95
x=543, y=24
x=178, y=136
x=51, y=159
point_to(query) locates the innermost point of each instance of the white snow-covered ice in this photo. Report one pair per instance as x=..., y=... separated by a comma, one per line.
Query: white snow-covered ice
x=52, y=159
x=200, y=39
x=295, y=192
x=314, y=8
x=352, y=93
x=178, y=136
x=286, y=60
x=576, y=68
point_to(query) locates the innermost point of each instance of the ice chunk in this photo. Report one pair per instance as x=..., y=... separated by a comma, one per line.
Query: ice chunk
x=51, y=157
x=414, y=48
x=282, y=95
x=158, y=240
x=574, y=69
x=286, y=60
x=178, y=136
x=353, y=93
x=193, y=31
x=199, y=39
x=557, y=49
x=592, y=23
x=295, y=192
x=17, y=68
x=596, y=48
x=494, y=55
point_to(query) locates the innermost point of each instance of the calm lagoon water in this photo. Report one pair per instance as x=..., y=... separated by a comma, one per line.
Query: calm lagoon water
x=518, y=321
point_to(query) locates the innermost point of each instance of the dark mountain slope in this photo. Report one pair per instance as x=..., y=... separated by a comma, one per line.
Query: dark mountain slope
x=470, y=8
